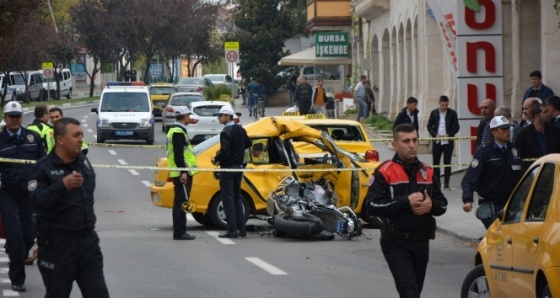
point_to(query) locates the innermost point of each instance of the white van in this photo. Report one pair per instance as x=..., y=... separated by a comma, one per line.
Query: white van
x=34, y=82
x=66, y=86
x=125, y=112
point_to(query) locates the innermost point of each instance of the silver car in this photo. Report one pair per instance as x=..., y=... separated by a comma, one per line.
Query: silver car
x=194, y=84
x=204, y=123
x=223, y=79
x=176, y=100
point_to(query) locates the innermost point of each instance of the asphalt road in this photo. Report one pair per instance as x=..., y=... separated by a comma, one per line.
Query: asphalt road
x=142, y=260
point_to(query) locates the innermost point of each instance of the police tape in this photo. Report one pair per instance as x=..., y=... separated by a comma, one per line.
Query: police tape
x=471, y=138
x=244, y=170
x=126, y=145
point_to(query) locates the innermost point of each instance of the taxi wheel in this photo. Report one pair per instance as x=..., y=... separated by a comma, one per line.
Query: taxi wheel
x=545, y=292
x=217, y=212
x=475, y=284
x=201, y=218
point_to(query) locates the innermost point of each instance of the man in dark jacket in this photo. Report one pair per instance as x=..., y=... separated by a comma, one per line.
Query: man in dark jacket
x=538, y=89
x=487, y=108
x=303, y=95
x=443, y=122
x=406, y=196
x=409, y=114
x=551, y=108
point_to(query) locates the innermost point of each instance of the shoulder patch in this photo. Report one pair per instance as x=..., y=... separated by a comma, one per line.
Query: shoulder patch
x=474, y=163
x=514, y=152
x=371, y=180
x=32, y=185
x=30, y=138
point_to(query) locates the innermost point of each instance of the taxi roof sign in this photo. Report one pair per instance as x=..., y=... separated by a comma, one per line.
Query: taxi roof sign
x=315, y=116
x=290, y=114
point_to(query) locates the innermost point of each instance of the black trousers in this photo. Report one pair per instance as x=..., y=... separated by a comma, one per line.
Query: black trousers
x=230, y=187
x=447, y=151
x=407, y=260
x=304, y=106
x=66, y=258
x=179, y=216
x=20, y=234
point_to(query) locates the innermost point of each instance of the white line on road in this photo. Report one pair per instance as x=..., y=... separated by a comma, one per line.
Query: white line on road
x=90, y=130
x=134, y=172
x=4, y=270
x=84, y=125
x=10, y=293
x=112, y=152
x=122, y=162
x=266, y=266
x=4, y=260
x=84, y=120
x=225, y=241
x=5, y=281
x=147, y=183
x=95, y=136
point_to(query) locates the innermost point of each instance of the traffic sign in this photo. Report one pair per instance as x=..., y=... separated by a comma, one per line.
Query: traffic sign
x=231, y=49
x=48, y=73
x=46, y=65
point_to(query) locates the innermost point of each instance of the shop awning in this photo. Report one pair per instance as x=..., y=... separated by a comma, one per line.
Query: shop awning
x=307, y=57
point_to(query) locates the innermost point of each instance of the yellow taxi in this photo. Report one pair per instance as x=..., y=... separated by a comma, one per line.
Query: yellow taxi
x=159, y=94
x=277, y=137
x=519, y=254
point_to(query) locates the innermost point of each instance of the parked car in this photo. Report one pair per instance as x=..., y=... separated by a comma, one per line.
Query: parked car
x=174, y=101
x=278, y=137
x=159, y=95
x=34, y=89
x=223, y=79
x=314, y=73
x=203, y=122
x=194, y=84
x=518, y=256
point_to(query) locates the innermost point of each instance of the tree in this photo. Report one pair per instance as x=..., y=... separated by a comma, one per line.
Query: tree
x=262, y=27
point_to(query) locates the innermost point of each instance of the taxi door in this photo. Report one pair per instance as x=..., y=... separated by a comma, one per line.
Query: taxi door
x=530, y=236
x=500, y=241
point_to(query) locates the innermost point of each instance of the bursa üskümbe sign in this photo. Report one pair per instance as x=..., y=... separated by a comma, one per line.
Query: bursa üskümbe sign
x=331, y=44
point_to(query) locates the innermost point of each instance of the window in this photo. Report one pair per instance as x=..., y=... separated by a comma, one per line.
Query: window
x=542, y=194
x=185, y=100
x=517, y=201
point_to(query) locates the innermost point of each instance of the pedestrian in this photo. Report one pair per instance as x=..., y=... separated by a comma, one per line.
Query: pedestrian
x=17, y=142
x=55, y=114
x=256, y=155
x=487, y=108
x=303, y=95
x=538, y=138
x=494, y=171
x=233, y=142
x=408, y=114
x=526, y=110
x=443, y=123
x=370, y=99
x=552, y=109
x=405, y=196
x=127, y=75
x=514, y=127
x=133, y=75
x=319, y=98
x=261, y=95
x=292, y=85
x=360, y=98
x=252, y=95
x=180, y=154
x=244, y=91
x=41, y=126
x=537, y=90
x=61, y=188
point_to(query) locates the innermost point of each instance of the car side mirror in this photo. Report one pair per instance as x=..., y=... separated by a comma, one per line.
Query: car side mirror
x=486, y=211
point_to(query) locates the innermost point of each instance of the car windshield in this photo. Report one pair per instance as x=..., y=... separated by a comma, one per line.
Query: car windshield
x=125, y=102
x=162, y=90
x=190, y=81
x=341, y=132
x=352, y=156
x=16, y=79
x=206, y=111
x=185, y=100
x=215, y=78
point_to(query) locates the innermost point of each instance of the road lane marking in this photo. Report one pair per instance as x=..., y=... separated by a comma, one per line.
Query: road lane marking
x=112, y=152
x=84, y=125
x=90, y=130
x=147, y=183
x=134, y=172
x=266, y=266
x=122, y=162
x=225, y=241
x=4, y=260
x=84, y=120
x=95, y=136
x=10, y=293
x=5, y=281
x=4, y=270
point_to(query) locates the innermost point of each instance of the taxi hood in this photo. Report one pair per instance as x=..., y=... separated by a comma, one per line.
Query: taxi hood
x=281, y=127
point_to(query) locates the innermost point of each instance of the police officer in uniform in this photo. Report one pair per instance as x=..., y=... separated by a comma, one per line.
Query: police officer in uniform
x=405, y=195
x=61, y=187
x=494, y=170
x=19, y=143
x=41, y=126
x=180, y=154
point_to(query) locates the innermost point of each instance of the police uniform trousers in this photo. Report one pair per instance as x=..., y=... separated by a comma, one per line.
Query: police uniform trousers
x=179, y=216
x=230, y=187
x=407, y=260
x=72, y=255
x=19, y=231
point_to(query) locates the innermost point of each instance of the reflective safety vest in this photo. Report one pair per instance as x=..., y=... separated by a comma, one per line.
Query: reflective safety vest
x=46, y=132
x=188, y=153
x=84, y=144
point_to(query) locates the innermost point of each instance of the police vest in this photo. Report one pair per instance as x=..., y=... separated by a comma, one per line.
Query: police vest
x=188, y=153
x=46, y=133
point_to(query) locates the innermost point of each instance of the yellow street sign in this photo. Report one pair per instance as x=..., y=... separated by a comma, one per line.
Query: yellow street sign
x=47, y=65
x=231, y=45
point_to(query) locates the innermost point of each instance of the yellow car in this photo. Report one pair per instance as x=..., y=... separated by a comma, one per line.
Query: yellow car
x=159, y=94
x=278, y=137
x=519, y=254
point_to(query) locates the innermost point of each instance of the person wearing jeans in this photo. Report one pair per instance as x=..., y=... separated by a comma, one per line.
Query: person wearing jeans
x=360, y=98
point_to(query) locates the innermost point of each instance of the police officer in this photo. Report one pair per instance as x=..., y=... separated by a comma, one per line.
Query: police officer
x=494, y=170
x=180, y=154
x=405, y=195
x=19, y=143
x=56, y=114
x=233, y=142
x=40, y=125
x=61, y=187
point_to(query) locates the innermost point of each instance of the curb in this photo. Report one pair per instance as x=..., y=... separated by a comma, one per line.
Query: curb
x=455, y=234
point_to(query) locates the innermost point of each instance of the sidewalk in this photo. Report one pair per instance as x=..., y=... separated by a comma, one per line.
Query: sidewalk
x=455, y=222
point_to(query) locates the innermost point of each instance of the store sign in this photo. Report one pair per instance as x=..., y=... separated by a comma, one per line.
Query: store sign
x=331, y=44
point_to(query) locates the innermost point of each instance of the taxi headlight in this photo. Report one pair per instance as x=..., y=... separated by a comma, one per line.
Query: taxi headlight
x=102, y=122
x=146, y=122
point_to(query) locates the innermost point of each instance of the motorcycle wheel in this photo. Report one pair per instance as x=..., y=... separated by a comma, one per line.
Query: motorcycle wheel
x=308, y=226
